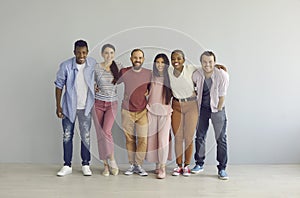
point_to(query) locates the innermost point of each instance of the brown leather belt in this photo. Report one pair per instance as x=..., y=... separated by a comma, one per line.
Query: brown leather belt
x=185, y=99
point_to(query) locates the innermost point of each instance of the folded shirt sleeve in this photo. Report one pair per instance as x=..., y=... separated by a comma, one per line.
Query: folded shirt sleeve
x=223, y=86
x=61, y=77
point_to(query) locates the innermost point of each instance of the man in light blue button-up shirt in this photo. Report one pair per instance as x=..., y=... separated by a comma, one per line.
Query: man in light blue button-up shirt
x=77, y=76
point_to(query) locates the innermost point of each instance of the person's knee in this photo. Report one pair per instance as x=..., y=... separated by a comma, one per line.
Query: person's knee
x=67, y=135
x=130, y=138
x=86, y=138
x=142, y=140
x=200, y=138
x=222, y=139
x=188, y=141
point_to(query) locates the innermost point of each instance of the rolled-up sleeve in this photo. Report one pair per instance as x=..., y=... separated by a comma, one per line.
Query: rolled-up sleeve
x=194, y=76
x=223, y=86
x=61, y=77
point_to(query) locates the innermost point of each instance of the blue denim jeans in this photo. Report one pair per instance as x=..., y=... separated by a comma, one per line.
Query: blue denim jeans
x=219, y=122
x=84, y=128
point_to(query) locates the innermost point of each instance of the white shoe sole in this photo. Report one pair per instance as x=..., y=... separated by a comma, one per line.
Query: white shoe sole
x=128, y=173
x=223, y=178
x=63, y=174
x=186, y=174
x=87, y=174
x=143, y=174
x=197, y=172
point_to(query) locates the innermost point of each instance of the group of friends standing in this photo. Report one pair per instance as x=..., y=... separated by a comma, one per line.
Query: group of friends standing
x=179, y=98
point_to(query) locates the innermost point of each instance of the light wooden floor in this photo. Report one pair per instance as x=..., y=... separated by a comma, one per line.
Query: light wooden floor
x=32, y=180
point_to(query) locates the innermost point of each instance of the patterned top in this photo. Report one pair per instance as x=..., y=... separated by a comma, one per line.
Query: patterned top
x=107, y=90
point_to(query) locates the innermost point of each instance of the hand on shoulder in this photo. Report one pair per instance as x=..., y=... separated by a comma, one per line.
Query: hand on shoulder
x=221, y=67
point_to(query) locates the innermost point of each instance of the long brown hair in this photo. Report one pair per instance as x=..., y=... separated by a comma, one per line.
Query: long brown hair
x=113, y=67
x=167, y=93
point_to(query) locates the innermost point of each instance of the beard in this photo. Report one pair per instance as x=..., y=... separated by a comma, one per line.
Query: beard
x=137, y=66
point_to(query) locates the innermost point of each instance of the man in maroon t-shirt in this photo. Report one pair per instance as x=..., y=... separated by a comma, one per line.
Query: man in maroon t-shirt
x=134, y=113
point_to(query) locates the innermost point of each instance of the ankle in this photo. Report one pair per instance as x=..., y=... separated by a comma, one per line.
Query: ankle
x=157, y=166
x=162, y=166
x=113, y=163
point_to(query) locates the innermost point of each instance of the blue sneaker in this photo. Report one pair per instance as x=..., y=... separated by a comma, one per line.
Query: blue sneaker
x=223, y=175
x=197, y=169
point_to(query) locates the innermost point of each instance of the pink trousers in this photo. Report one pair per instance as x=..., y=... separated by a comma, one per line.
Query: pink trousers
x=159, y=147
x=104, y=116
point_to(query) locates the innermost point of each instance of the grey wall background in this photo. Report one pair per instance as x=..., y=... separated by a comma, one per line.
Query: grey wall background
x=257, y=40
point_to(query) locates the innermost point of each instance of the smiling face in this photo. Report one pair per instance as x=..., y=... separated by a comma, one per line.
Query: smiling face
x=137, y=59
x=108, y=54
x=208, y=64
x=81, y=54
x=160, y=65
x=177, y=61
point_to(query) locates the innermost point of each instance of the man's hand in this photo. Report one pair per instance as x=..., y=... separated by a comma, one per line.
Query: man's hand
x=58, y=93
x=59, y=112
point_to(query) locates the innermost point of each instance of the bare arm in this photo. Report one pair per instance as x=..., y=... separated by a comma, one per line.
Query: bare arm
x=58, y=93
x=221, y=102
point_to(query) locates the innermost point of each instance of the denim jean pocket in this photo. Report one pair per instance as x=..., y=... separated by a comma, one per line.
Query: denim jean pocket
x=218, y=116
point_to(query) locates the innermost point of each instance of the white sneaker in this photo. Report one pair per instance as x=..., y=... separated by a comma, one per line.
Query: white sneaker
x=139, y=170
x=86, y=170
x=65, y=170
x=130, y=170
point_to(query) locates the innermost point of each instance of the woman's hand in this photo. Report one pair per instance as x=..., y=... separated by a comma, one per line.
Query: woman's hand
x=221, y=67
x=96, y=88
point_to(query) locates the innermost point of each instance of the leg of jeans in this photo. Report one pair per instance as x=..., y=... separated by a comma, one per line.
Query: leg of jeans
x=177, y=128
x=219, y=122
x=203, y=123
x=141, y=133
x=128, y=128
x=84, y=128
x=68, y=129
x=190, y=124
